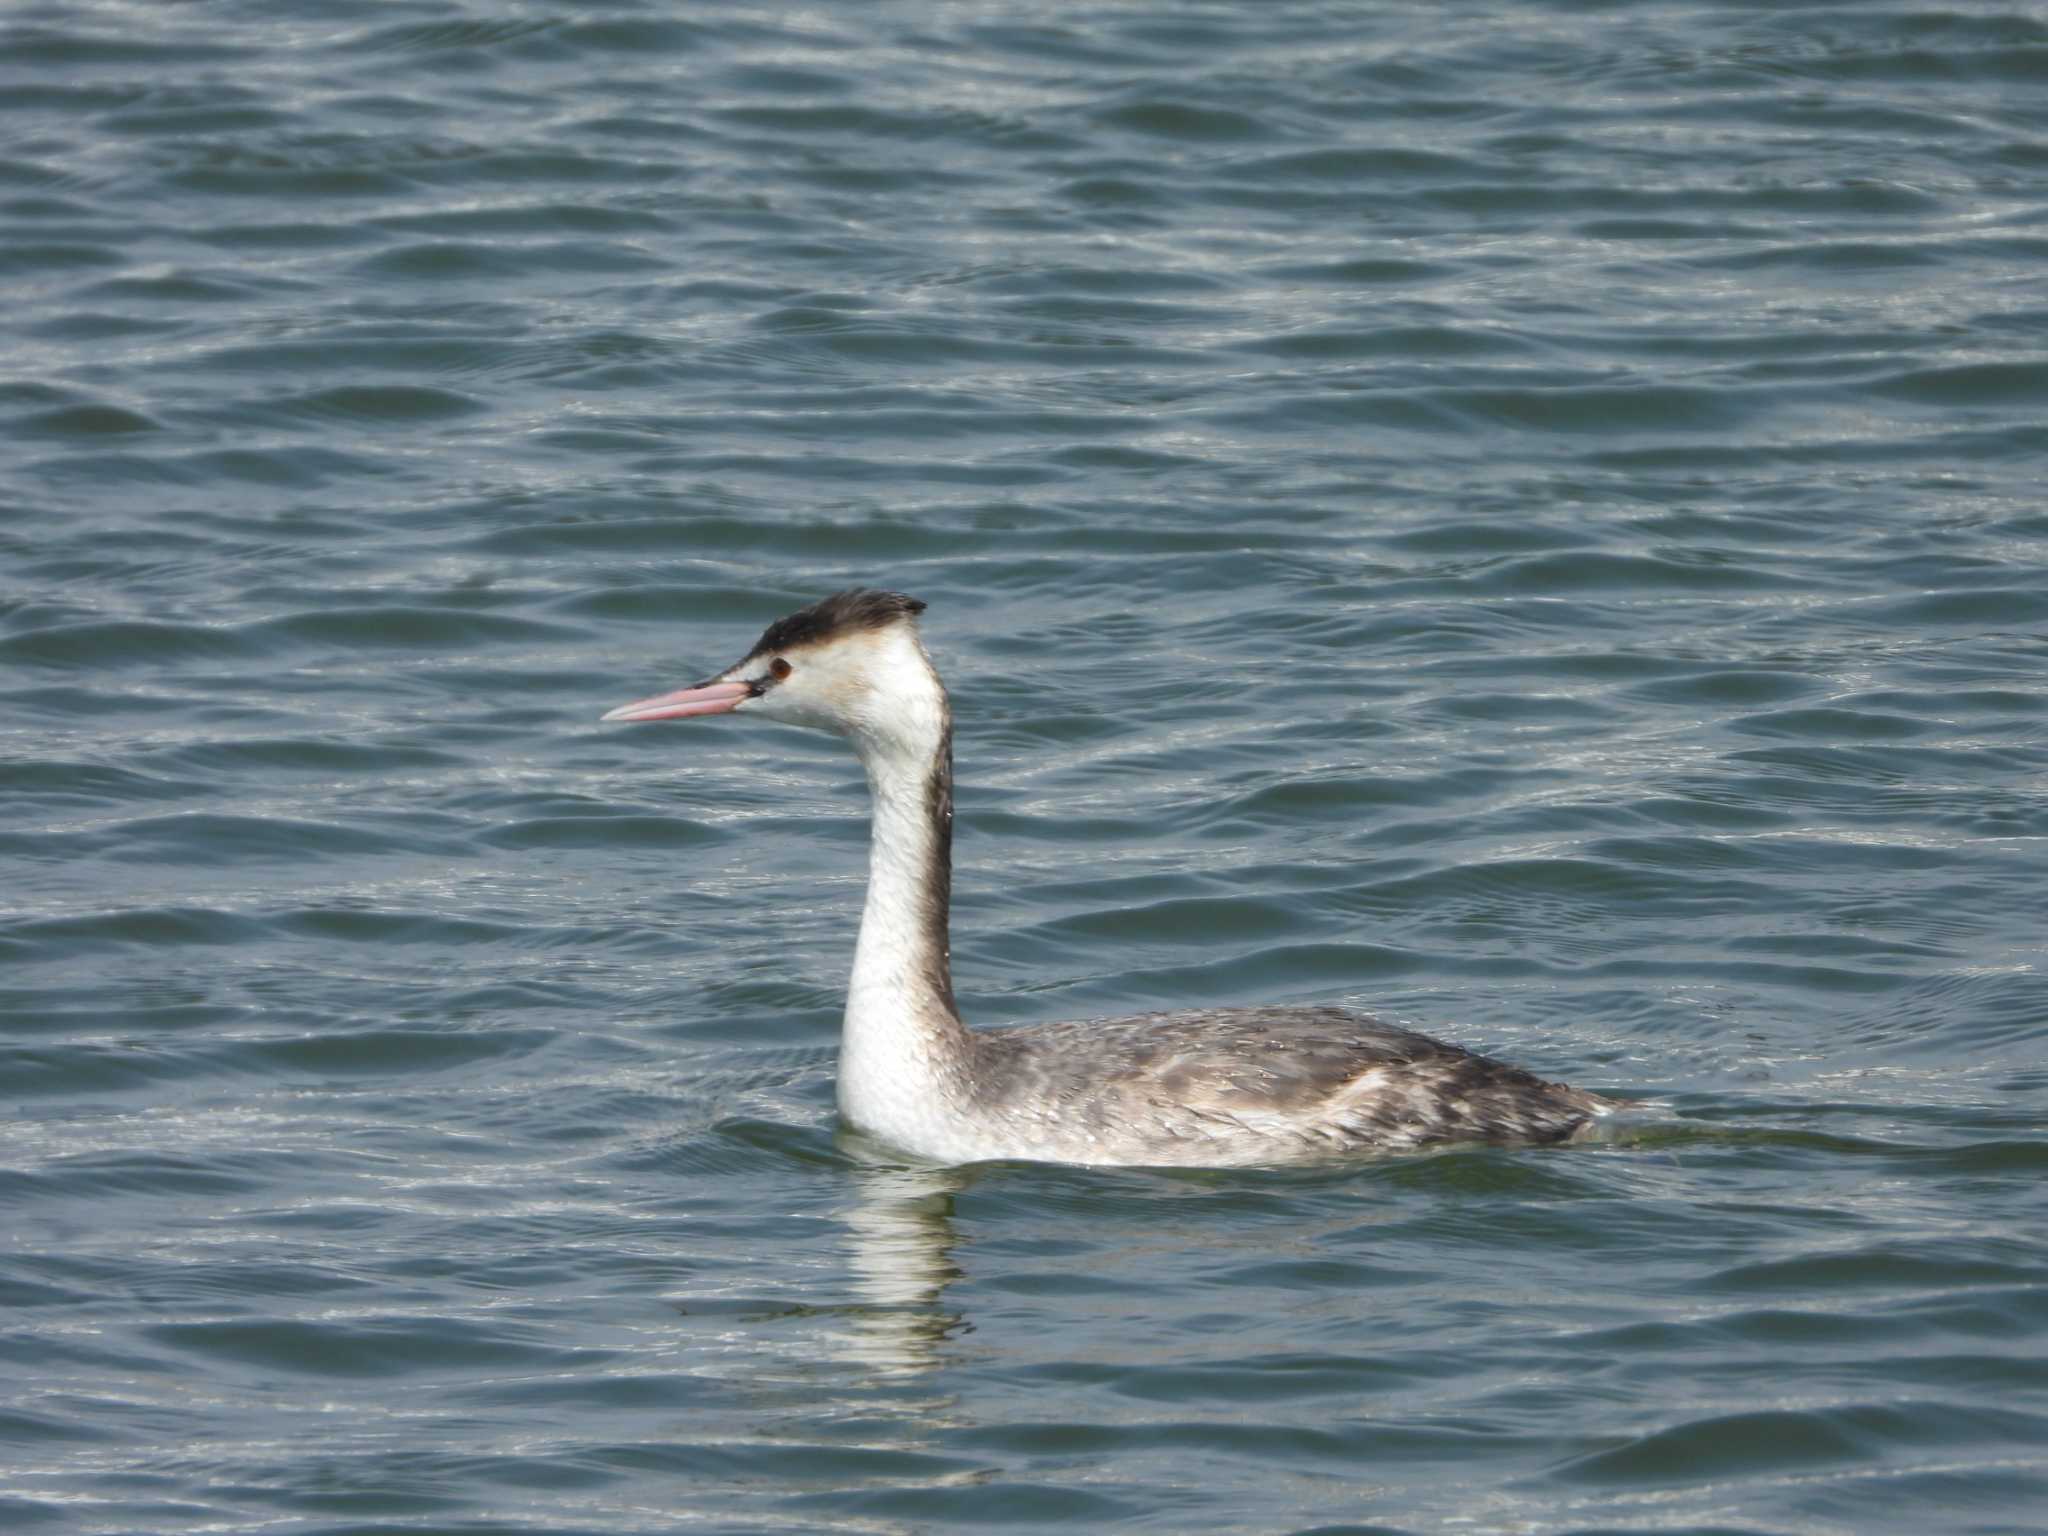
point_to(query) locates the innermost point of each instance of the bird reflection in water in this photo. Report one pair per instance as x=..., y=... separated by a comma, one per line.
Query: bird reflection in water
x=899, y=1239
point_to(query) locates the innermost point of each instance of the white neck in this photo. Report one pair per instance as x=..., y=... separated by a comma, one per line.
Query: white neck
x=904, y=1043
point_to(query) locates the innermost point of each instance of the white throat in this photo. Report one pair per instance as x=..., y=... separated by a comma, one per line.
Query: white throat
x=904, y=1048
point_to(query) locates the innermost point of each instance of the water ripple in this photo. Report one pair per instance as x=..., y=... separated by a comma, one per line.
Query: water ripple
x=1529, y=529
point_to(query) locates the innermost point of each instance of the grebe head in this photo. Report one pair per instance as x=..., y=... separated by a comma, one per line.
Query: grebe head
x=851, y=664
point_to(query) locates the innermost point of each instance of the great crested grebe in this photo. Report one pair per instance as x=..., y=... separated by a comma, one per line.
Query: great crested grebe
x=1210, y=1086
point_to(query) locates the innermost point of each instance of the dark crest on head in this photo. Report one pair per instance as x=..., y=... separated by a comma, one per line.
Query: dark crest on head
x=848, y=612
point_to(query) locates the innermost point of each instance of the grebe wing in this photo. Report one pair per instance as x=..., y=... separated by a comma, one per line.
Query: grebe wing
x=1325, y=1077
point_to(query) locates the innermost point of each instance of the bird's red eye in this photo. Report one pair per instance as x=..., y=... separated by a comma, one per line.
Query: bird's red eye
x=780, y=668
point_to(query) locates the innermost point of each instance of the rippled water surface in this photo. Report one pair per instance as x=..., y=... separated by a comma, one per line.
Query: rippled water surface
x=1527, y=518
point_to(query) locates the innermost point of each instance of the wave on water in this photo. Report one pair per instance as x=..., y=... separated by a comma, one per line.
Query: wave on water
x=1524, y=520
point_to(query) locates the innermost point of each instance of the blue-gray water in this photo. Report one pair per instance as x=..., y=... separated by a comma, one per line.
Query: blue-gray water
x=1527, y=518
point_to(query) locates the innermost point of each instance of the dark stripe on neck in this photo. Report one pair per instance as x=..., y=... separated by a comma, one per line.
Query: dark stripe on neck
x=938, y=903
